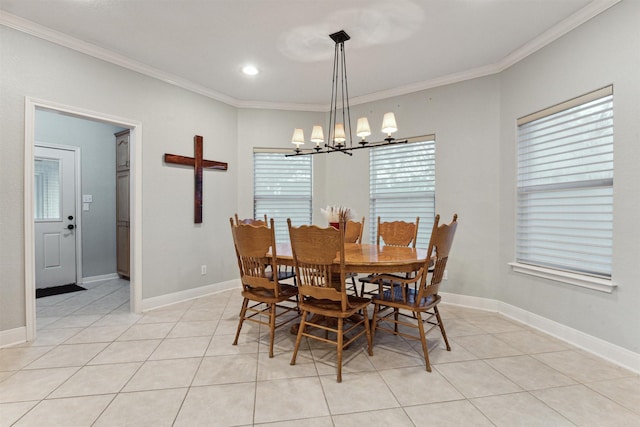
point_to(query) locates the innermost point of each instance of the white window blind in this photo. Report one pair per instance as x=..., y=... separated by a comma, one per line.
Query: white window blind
x=403, y=185
x=282, y=189
x=565, y=186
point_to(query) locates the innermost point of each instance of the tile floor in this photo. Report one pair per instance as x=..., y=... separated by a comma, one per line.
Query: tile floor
x=94, y=363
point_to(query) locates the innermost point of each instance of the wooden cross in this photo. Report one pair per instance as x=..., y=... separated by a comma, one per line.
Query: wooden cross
x=198, y=163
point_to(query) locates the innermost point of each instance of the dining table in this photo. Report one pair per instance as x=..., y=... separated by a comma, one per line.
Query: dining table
x=368, y=258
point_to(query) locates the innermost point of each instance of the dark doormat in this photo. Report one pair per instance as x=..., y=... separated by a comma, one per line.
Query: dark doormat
x=57, y=290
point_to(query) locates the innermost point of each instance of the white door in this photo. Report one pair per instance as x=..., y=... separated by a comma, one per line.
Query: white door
x=54, y=215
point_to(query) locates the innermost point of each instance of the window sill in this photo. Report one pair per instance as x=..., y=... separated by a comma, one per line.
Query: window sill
x=584, y=281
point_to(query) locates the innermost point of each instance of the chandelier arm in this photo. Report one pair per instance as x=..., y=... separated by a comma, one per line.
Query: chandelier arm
x=348, y=151
x=380, y=144
x=336, y=150
x=329, y=151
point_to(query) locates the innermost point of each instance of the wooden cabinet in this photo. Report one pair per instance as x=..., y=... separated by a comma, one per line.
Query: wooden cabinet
x=122, y=203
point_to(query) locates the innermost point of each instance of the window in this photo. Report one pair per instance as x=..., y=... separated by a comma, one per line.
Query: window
x=403, y=185
x=282, y=188
x=565, y=186
x=47, y=189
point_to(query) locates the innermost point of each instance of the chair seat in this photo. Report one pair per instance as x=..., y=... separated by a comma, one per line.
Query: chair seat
x=282, y=274
x=367, y=279
x=334, y=308
x=371, y=278
x=267, y=295
x=286, y=274
x=395, y=299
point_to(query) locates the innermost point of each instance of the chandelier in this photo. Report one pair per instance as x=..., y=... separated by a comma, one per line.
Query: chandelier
x=340, y=138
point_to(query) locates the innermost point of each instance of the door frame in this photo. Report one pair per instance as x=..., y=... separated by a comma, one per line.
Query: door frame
x=77, y=212
x=135, y=201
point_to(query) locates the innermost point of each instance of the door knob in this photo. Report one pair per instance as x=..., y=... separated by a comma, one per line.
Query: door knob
x=71, y=226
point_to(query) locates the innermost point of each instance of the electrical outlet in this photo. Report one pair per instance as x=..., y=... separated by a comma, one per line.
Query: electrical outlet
x=444, y=276
x=203, y=269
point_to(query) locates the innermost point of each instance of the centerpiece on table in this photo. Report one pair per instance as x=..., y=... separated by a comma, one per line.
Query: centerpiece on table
x=337, y=214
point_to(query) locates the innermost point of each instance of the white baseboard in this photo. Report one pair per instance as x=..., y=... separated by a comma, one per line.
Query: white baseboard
x=189, y=294
x=100, y=278
x=469, y=301
x=13, y=336
x=601, y=348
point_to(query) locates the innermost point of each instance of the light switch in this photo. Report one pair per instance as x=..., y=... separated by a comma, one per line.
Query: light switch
x=85, y=206
x=87, y=198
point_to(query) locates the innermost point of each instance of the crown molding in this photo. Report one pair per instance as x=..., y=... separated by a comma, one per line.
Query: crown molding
x=427, y=84
x=591, y=10
x=37, y=30
x=266, y=105
x=580, y=17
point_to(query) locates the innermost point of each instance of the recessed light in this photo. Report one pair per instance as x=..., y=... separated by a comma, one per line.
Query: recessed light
x=250, y=70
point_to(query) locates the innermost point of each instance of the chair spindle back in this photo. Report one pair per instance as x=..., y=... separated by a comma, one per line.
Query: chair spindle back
x=256, y=250
x=314, y=251
x=439, y=247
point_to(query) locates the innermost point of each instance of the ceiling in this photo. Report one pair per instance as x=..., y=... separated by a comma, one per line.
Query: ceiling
x=396, y=46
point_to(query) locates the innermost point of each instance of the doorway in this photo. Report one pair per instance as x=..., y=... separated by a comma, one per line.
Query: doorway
x=135, y=291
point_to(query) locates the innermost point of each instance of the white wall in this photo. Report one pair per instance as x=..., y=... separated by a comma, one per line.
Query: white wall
x=173, y=247
x=96, y=141
x=605, y=50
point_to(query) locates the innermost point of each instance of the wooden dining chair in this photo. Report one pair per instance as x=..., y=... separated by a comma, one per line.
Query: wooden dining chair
x=326, y=306
x=252, y=221
x=263, y=295
x=393, y=233
x=284, y=272
x=397, y=233
x=353, y=231
x=395, y=298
